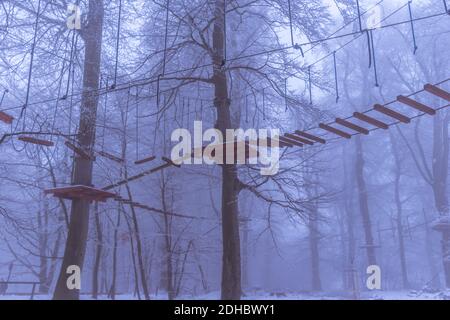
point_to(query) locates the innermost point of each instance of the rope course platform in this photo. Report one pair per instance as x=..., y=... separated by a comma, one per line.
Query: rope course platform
x=81, y=192
x=441, y=224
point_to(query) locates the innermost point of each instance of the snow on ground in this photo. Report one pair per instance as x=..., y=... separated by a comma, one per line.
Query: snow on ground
x=259, y=295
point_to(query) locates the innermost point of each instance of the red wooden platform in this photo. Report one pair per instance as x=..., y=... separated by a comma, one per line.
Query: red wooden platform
x=36, y=141
x=81, y=192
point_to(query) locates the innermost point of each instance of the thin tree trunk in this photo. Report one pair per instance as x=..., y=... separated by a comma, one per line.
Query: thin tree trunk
x=440, y=173
x=399, y=220
x=363, y=203
x=231, y=256
x=79, y=217
x=167, y=243
x=138, y=242
x=316, y=284
x=98, y=253
x=112, y=290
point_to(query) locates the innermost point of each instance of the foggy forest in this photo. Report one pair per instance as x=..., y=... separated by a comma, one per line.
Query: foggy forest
x=118, y=180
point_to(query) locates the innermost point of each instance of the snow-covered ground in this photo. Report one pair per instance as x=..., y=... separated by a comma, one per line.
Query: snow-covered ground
x=378, y=295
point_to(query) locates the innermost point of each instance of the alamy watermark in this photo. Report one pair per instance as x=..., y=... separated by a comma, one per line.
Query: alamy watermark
x=239, y=146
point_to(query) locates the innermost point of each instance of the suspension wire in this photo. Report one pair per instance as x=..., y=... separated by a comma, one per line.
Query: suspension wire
x=369, y=47
x=412, y=26
x=224, y=32
x=336, y=77
x=201, y=110
x=30, y=70
x=359, y=16
x=285, y=94
x=72, y=49
x=165, y=56
x=71, y=99
x=294, y=45
x=188, y=118
x=149, y=80
x=113, y=86
x=105, y=103
x=3, y=96
x=310, y=85
x=57, y=101
x=264, y=104
x=290, y=23
x=446, y=7
x=182, y=111
x=246, y=109
x=374, y=59
x=137, y=123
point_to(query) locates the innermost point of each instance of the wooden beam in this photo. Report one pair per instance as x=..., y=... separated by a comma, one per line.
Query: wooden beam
x=6, y=118
x=352, y=126
x=145, y=160
x=111, y=156
x=40, y=142
x=437, y=92
x=83, y=154
x=297, y=138
x=335, y=131
x=310, y=136
x=370, y=120
x=391, y=113
x=292, y=142
x=416, y=105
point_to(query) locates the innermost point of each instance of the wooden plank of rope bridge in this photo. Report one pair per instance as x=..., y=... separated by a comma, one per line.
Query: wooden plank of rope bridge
x=352, y=126
x=437, y=91
x=310, y=136
x=391, y=113
x=335, y=131
x=145, y=160
x=111, y=156
x=281, y=144
x=36, y=141
x=416, y=105
x=6, y=118
x=295, y=143
x=83, y=154
x=81, y=192
x=297, y=138
x=370, y=120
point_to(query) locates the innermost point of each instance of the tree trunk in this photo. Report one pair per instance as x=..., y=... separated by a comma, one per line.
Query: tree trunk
x=440, y=173
x=112, y=289
x=138, y=242
x=316, y=284
x=98, y=254
x=169, y=283
x=231, y=256
x=399, y=219
x=79, y=216
x=363, y=202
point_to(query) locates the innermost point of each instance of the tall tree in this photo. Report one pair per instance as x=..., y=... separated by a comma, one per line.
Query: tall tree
x=82, y=174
